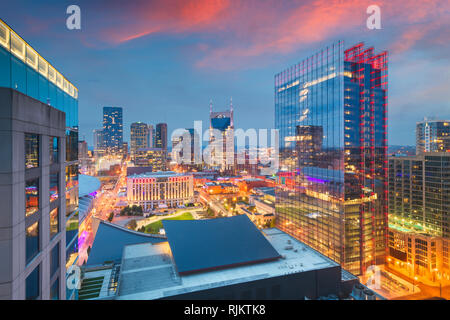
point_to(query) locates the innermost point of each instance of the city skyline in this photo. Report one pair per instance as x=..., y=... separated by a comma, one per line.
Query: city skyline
x=195, y=58
x=322, y=164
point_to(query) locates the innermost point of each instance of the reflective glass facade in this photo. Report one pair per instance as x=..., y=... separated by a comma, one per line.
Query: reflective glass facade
x=31, y=150
x=31, y=196
x=331, y=113
x=112, y=129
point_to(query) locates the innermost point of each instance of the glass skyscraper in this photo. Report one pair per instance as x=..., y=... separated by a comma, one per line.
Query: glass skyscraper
x=161, y=136
x=331, y=113
x=112, y=130
x=223, y=122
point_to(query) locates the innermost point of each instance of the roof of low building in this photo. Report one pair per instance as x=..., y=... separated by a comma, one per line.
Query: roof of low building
x=199, y=245
x=110, y=240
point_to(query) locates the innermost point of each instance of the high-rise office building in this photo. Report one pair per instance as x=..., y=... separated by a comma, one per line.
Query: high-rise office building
x=151, y=136
x=154, y=158
x=98, y=143
x=222, y=121
x=419, y=223
x=39, y=166
x=331, y=112
x=139, y=137
x=112, y=130
x=161, y=136
x=193, y=141
x=432, y=136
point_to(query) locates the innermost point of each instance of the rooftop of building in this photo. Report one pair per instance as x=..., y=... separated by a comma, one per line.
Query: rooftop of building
x=431, y=120
x=216, y=243
x=110, y=240
x=420, y=156
x=87, y=185
x=149, y=271
x=150, y=149
x=159, y=174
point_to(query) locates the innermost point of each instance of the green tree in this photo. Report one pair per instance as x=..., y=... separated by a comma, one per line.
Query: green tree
x=132, y=225
x=111, y=216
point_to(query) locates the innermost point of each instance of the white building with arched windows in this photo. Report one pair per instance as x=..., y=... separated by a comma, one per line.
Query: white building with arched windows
x=153, y=190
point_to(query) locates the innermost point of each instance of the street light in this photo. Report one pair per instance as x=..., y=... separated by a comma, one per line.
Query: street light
x=414, y=279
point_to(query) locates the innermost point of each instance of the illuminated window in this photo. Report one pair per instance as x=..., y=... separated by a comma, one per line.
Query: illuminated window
x=31, y=196
x=32, y=58
x=54, y=186
x=17, y=46
x=52, y=74
x=43, y=67
x=4, y=35
x=65, y=86
x=31, y=150
x=59, y=80
x=54, y=222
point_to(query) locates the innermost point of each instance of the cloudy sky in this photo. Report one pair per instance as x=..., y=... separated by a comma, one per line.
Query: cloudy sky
x=163, y=60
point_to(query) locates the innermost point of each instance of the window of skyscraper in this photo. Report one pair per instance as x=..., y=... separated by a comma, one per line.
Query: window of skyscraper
x=32, y=285
x=54, y=290
x=54, y=187
x=71, y=145
x=31, y=196
x=72, y=227
x=54, y=222
x=32, y=241
x=31, y=150
x=71, y=176
x=54, y=150
x=54, y=260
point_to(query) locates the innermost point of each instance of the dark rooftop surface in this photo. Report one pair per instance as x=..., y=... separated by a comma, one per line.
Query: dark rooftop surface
x=202, y=245
x=110, y=240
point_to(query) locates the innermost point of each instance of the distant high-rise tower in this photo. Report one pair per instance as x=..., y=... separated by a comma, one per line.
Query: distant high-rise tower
x=331, y=113
x=432, y=136
x=139, y=137
x=112, y=130
x=151, y=136
x=223, y=121
x=161, y=136
x=98, y=142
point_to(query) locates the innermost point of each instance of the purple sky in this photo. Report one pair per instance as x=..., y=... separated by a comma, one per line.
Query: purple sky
x=162, y=61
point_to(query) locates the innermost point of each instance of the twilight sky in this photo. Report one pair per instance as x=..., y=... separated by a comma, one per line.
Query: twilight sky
x=163, y=60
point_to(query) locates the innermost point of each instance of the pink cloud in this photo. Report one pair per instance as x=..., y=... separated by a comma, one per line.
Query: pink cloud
x=250, y=29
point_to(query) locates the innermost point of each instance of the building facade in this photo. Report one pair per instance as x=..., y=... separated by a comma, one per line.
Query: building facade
x=112, y=130
x=98, y=143
x=419, y=229
x=331, y=113
x=432, y=136
x=222, y=155
x=161, y=136
x=160, y=189
x=178, y=156
x=39, y=170
x=156, y=158
x=139, y=137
